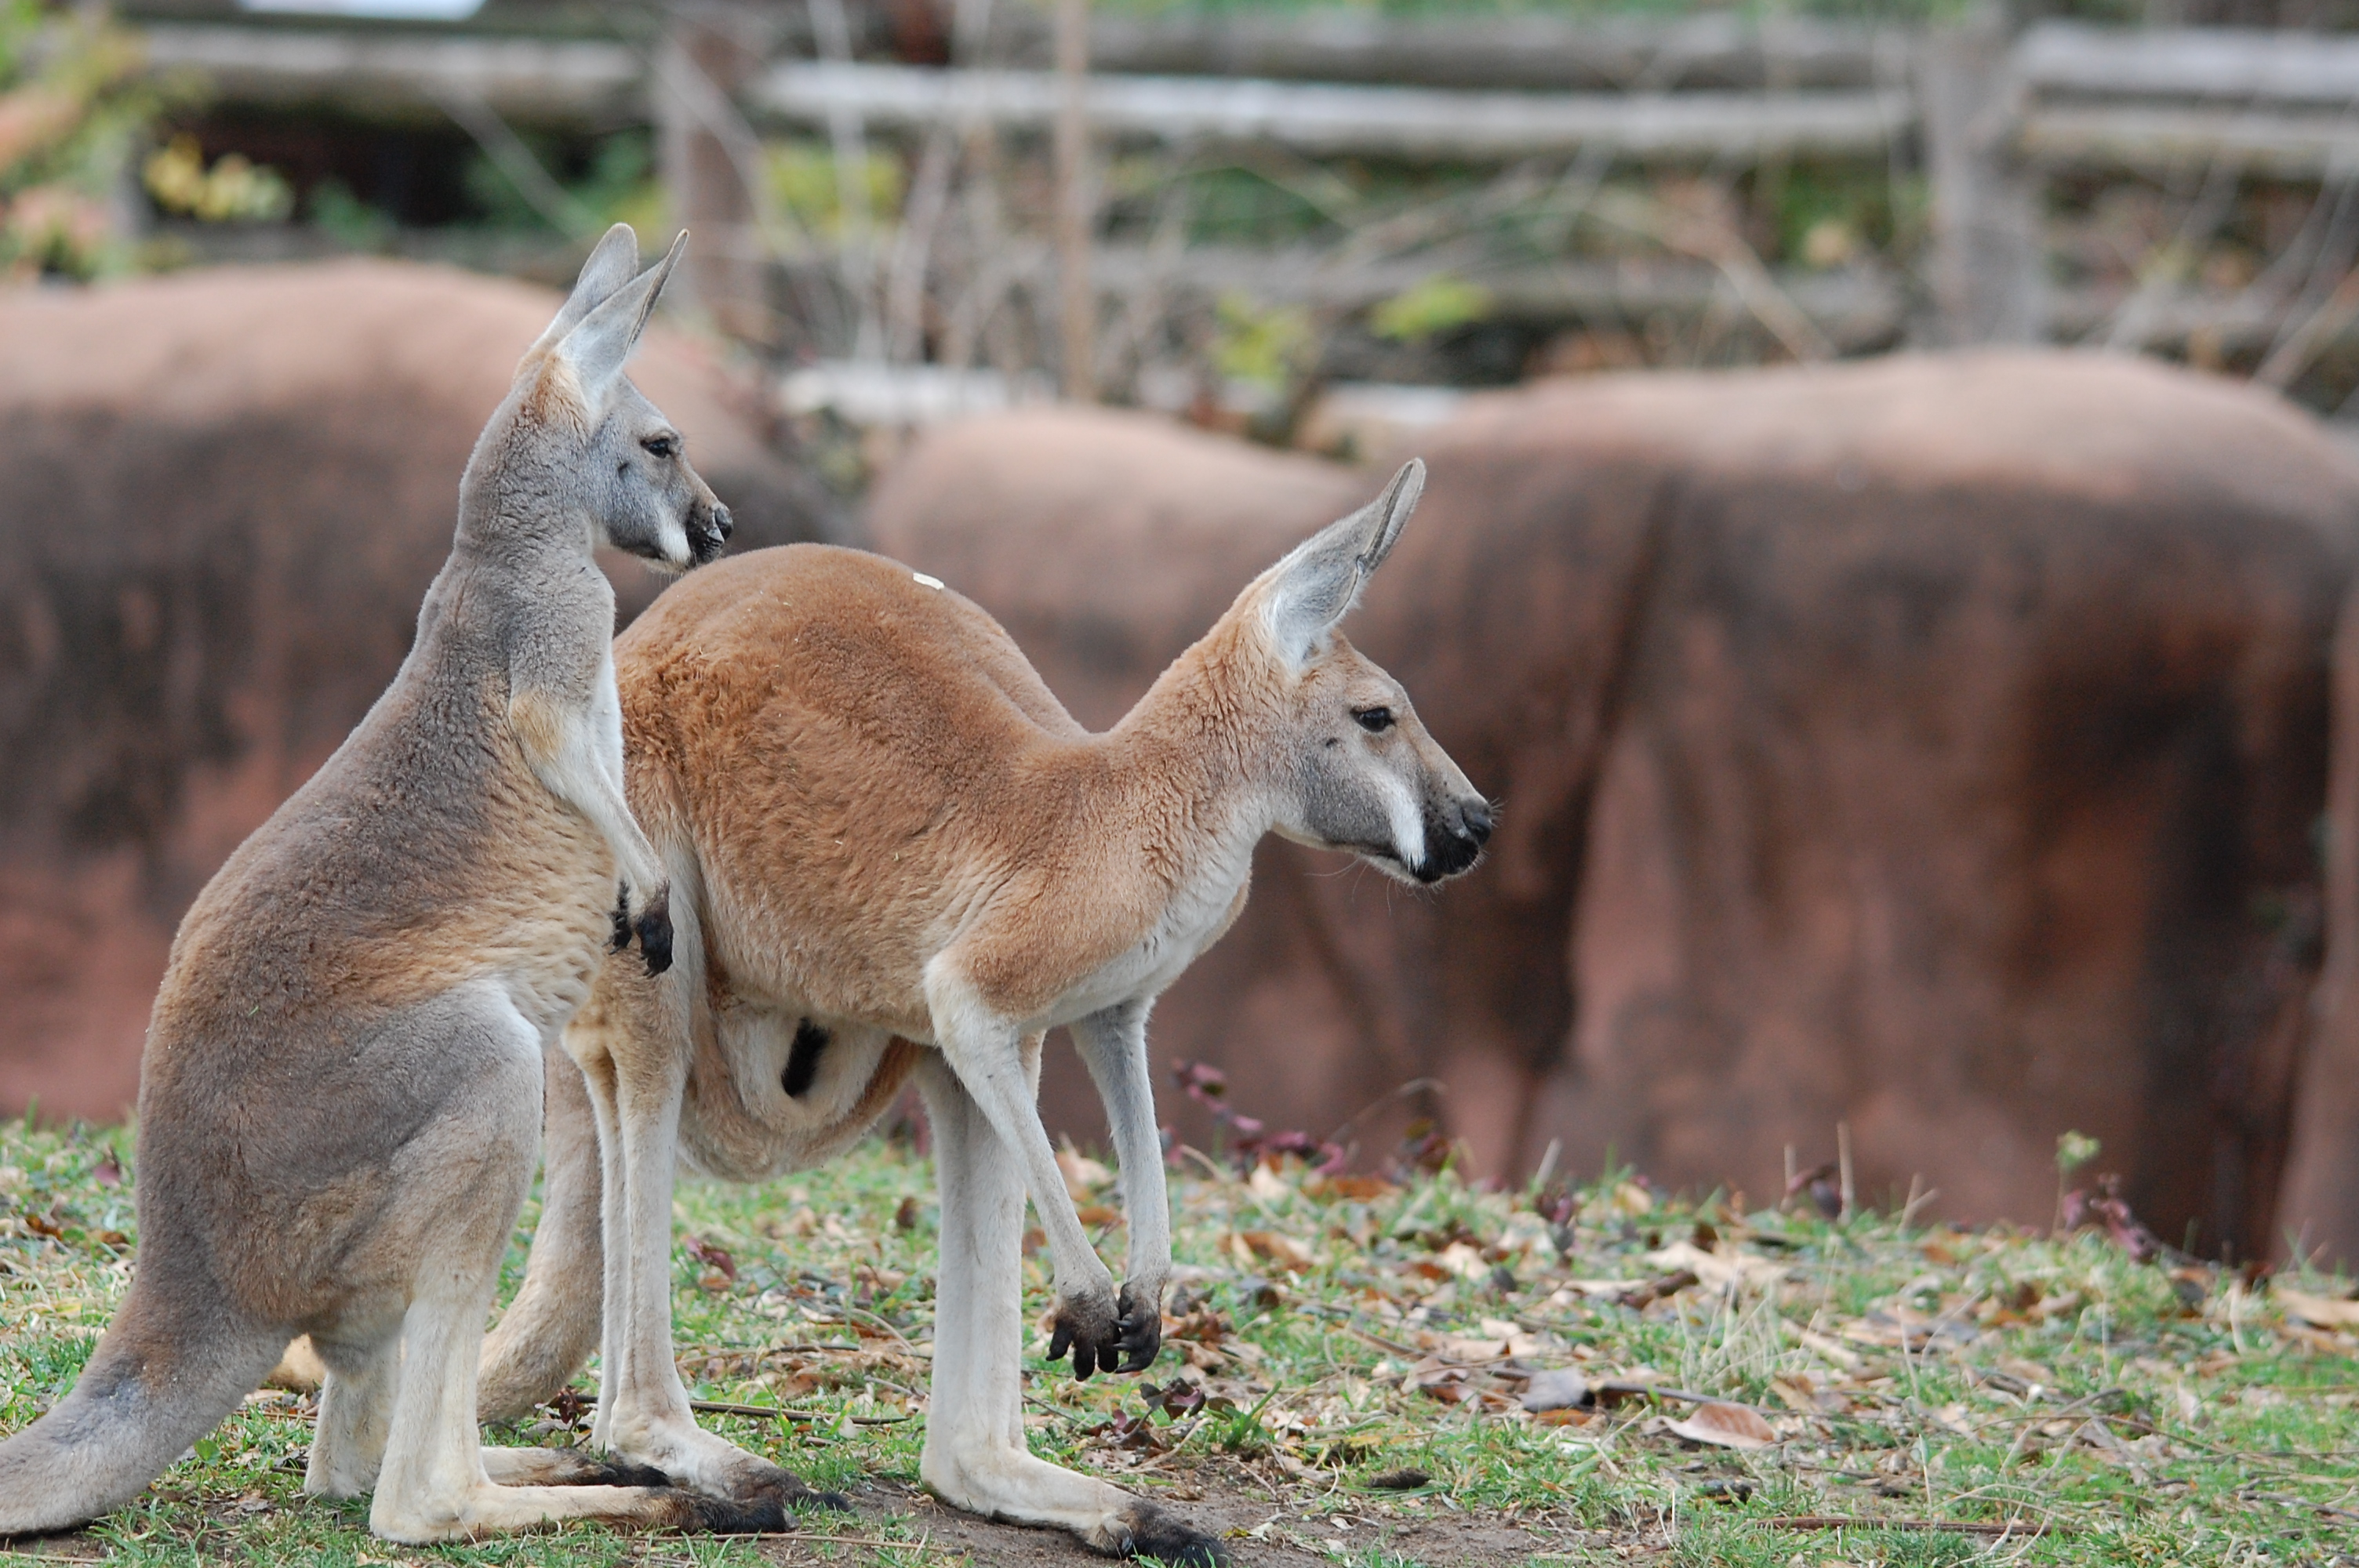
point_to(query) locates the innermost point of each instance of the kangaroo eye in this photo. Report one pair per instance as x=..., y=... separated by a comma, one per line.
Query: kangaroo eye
x=1374, y=721
x=662, y=445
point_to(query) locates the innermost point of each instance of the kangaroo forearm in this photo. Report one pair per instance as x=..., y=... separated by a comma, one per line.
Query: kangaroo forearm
x=560, y=746
x=1113, y=1048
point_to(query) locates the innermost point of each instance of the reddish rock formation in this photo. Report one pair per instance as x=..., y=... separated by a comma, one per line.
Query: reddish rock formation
x=1934, y=744
x=2318, y=1214
x=221, y=495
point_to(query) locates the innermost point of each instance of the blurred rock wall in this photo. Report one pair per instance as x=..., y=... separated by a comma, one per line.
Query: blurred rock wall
x=222, y=496
x=1931, y=744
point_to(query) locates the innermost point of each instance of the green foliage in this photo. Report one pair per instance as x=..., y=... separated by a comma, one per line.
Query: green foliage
x=1227, y=204
x=1429, y=308
x=349, y=220
x=1887, y=10
x=1828, y=215
x=234, y=191
x=615, y=185
x=1264, y=346
x=808, y=185
x=2074, y=1150
x=71, y=114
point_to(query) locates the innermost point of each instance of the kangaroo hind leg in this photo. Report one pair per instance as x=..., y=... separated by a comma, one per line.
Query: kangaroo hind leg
x=548, y=1331
x=355, y=1415
x=457, y=1188
x=631, y=1042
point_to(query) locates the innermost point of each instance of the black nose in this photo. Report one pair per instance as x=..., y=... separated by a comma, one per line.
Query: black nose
x=1477, y=816
x=722, y=526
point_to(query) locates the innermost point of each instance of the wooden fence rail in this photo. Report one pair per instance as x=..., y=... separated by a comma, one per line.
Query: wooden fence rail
x=2288, y=103
x=532, y=80
x=1320, y=119
x=1992, y=117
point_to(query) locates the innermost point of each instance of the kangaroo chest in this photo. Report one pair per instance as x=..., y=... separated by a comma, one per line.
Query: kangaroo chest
x=1199, y=911
x=549, y=936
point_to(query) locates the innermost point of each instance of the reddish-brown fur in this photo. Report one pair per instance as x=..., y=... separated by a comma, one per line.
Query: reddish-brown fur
x=886, y=833
x=745, y=673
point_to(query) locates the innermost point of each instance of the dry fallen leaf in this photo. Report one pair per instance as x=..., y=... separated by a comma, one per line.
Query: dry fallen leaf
x=1362, y=1188
x=1268, y=1246
x=1718, y=1270
x=1462, y=1260
x=1725, y=1426
x=2322, y=1312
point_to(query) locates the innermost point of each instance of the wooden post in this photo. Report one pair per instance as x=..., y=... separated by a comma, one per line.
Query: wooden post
x=709, y=49
x=1988, y=264
x=1077, y=319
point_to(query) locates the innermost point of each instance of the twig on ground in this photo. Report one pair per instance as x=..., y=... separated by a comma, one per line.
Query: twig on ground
x=779, y=1413
x=1952, y=1526
x=923, y=1543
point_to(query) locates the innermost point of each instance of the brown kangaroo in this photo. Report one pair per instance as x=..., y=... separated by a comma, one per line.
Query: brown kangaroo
x=896, y=855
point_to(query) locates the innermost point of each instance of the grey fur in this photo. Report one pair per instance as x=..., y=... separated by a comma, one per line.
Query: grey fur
x=341, y=1097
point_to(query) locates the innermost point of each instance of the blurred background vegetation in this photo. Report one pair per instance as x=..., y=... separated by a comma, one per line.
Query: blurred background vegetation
x=1234, y=278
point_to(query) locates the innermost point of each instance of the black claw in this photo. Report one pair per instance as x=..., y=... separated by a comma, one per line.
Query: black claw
x=621, y=1473
x=622, y=918
x=655, y=941
x=1088, y=1330
x=783, y=1489
x=1139, y=1333
x=730, y=1515
x=654, y=933
x=1169, y=1539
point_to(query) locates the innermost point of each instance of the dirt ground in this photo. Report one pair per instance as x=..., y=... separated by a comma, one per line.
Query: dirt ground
x=1276, y=1532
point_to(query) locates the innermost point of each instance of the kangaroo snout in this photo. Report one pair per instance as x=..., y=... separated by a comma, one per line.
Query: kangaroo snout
x=1454, y=838
x=712, y=531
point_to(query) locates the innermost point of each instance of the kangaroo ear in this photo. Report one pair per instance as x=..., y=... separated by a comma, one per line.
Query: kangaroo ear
x=598, y=348
x=609, y=267
x=1309, y=591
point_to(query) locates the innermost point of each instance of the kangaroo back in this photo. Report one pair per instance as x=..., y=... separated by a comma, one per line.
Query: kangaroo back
x=174, y=1363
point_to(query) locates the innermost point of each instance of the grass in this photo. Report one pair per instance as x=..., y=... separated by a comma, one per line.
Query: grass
x=1334, y=1333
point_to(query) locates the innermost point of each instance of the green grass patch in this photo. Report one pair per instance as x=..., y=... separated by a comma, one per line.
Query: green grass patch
x=1348, y=1358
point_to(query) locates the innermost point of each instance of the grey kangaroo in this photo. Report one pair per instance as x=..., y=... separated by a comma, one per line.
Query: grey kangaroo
x=340, y=1104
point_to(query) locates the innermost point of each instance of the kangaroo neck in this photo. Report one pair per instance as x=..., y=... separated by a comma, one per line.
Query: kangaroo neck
x=522, y=561
x=516, y=498
x=1183, y=761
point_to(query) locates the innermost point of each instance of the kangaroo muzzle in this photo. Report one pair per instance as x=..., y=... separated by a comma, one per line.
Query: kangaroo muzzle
x=707, y=534
x=1454, y=836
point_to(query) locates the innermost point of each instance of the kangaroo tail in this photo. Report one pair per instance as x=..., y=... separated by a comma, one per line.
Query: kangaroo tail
x=174, y=1362
x=549, y=1330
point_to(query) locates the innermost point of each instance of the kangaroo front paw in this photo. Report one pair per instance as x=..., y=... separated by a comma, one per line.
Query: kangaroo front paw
x=622, y=919
x=1139, y=1331
x=652, y=926
x=655, y=932
x=1089, y=1326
